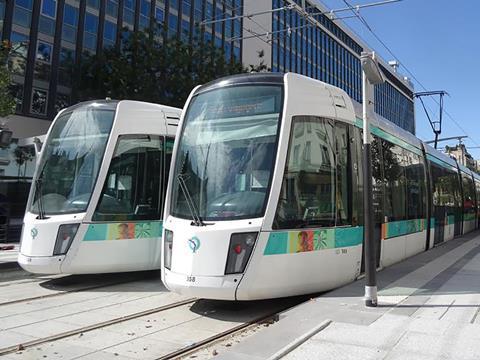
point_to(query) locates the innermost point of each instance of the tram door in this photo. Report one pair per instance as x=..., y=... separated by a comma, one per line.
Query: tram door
x=458, y=212
x=440, y=216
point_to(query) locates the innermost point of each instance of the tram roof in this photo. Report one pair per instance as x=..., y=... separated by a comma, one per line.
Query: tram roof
x=103, y=104
x=465, y=169
x=440, y=155
x=242, y=79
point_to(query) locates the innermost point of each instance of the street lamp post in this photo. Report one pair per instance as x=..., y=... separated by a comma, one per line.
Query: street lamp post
x=371, y=75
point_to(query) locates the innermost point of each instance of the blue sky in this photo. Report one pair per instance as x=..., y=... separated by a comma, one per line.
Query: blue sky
x=439, y=42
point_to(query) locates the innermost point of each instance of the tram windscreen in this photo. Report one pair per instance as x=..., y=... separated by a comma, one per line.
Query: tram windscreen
x=70, y=161
x=226, y=153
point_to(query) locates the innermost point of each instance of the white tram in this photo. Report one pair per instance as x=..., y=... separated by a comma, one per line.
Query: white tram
x=265, y=199
x=96, y=199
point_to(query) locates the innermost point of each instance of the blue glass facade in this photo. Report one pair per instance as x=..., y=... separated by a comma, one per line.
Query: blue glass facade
x=56, y=32
x=325, y=52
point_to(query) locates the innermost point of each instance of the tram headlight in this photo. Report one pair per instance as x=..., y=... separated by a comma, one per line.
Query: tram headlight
x=65, y=235
x=167, y=249
x=239, y=251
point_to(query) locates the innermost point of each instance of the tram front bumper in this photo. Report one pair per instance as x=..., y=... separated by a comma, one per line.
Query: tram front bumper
x=205, y=287
x=41, y=264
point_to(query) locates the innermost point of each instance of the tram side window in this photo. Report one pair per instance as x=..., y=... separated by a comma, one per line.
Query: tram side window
x=132, y=189
x=316, y=189
x=415, y=176
x=344, y=176
x=468, y=195
x=477, y=189
x=444, y=183
x=168, y=157
x=395, y=181
x=378, y=181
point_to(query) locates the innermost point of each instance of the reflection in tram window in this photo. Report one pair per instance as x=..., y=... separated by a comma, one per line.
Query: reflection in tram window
x=132, y=187
x=71, y=160
x=395, y=182
x=316, y=189
x=468, y=195
x=416, y=197
x=226, y=154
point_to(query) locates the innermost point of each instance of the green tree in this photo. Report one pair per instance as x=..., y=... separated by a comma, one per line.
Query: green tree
x=7, y=102
x=22, y=156
x=151, y=68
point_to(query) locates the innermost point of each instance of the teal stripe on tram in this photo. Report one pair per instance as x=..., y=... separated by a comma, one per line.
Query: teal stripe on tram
x=123, y=231
x=389, y=137
x=441, y=162
x=290, y=242
x=402, y=227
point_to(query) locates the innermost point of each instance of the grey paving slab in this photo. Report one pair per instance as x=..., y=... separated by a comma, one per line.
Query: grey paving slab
x=13, y=338
x=44, y=329
x=97, y=339
x=325, y=350
x=359, y=335
x=183, y=334
x=436, y=347
x=49, y=351
x=103, y=355
x=143, y=348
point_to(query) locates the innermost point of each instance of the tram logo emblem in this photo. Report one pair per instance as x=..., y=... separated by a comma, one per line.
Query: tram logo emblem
x=34, y=233
x=194, y=244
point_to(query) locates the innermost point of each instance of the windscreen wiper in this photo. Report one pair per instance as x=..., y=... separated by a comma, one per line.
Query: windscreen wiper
x=197, y=220
x=39, y=193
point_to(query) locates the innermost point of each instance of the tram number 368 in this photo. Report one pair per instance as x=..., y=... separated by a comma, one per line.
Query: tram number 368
x=191, y=279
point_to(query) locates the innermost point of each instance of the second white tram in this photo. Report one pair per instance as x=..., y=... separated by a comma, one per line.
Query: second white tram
x=96, y=199
x=265, y=199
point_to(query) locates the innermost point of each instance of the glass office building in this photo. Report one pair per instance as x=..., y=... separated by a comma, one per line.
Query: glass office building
x=318, y=47
x=47, y=35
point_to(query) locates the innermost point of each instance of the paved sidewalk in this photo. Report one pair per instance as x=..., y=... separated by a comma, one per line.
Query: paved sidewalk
x=429, y=308
x=8, y=255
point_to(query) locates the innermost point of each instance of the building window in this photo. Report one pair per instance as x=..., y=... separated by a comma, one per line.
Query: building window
x=112, y=8
x=26, y=4
x=144, y=21
x=172, y=25
x=17, y=93
x=61, y=102
x=128, y=13
x=159, y=15
x=95, y=4
x=70, y=22
x=49, y=8
x=18, y=58
x=39, y=102
x=44, y=52
x=67, y=60
x=91, y=28
x=109, y=33
x=2, y=15
x=46, y=26
x=22, y=13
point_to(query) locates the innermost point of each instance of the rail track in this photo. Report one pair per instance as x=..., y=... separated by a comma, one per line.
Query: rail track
x=66, y=292
x=220, y=336
x=84, y=329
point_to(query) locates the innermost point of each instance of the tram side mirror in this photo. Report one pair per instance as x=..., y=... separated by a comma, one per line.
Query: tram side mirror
x=37, y=143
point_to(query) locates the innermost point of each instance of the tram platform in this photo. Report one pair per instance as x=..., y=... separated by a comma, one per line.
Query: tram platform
x=429, y=308
x=8, y=255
